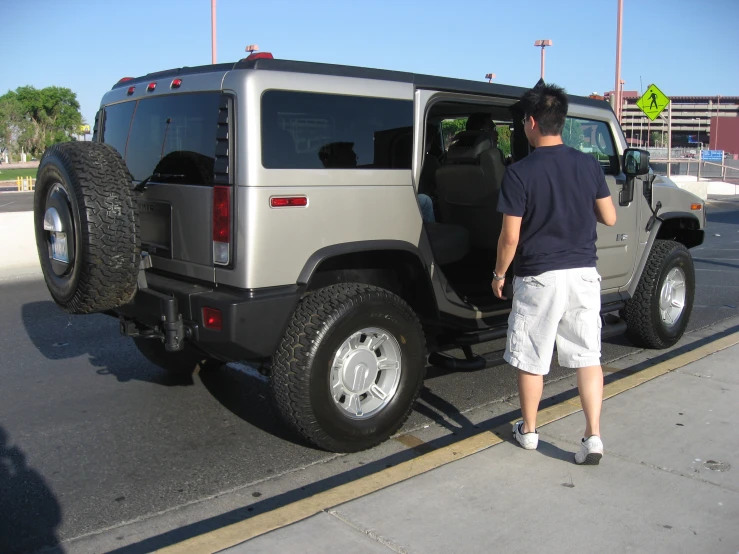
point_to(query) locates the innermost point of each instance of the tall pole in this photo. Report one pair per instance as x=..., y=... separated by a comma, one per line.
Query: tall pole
x=213, y=29
x=542, y=44
x=543, y=50
x=718, y=115
x=618, y=59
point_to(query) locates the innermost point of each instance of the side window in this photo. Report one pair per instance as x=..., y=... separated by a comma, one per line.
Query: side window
x=305, y=130
x=175, y=137
x=116, y=124
x=592, y=137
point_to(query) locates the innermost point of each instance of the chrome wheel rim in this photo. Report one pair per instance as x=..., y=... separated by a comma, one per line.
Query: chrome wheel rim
x=672, y=296
x=365, y=373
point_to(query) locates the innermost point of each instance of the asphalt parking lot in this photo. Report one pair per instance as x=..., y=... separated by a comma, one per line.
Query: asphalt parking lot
x=97, y=437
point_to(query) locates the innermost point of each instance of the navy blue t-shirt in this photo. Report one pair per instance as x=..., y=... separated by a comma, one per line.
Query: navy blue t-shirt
x=553, y=190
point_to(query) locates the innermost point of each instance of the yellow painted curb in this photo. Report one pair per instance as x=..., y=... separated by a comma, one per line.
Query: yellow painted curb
x=241, y=531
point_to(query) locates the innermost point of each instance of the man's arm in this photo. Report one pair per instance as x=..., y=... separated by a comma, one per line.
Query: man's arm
x=605, y=211
x=507, y=244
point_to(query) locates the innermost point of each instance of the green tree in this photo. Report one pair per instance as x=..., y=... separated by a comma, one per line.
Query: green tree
x=658, y=138
x=11, y=120
x=33, y=119
x=504, y=139
x=450, y=127
x=572, y=134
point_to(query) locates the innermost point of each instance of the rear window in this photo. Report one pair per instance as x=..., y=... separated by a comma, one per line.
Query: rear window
x=304, y=130
x=171, y=136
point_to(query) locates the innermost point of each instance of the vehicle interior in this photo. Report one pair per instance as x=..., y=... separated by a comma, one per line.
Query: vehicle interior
x=462, y=172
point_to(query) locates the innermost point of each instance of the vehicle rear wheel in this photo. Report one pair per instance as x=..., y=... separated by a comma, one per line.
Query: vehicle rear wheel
x=350, y=367
x=86, y=225
x=658, y=313
x=183, y=362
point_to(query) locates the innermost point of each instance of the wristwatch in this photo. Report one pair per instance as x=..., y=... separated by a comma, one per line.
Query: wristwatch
x=497, y=277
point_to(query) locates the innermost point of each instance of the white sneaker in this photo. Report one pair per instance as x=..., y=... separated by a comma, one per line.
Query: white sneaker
x=591, y=451
x=529, y=441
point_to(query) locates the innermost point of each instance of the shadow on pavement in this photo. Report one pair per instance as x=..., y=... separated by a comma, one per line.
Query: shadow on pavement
x=29, y=511
x=60, y=336
x=249, y=399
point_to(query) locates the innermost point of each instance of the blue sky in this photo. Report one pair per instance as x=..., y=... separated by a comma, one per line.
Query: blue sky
x=684, y=47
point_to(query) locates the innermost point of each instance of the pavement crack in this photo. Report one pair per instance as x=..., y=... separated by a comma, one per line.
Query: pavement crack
x=643, y=463
x=706, y=377
x=371, y=533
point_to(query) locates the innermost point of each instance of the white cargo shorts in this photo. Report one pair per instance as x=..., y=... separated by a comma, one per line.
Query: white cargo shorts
x=562, y=306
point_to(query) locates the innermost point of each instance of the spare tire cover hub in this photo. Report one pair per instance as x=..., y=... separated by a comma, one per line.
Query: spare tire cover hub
x=59, y=230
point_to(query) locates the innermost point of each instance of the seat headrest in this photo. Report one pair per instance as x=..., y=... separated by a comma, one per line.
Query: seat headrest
x=467, y=146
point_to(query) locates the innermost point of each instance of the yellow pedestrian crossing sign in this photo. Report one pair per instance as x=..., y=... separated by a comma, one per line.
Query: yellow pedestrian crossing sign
x=653, y=102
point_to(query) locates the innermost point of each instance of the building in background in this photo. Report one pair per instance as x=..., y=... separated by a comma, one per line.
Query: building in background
x=708, y=122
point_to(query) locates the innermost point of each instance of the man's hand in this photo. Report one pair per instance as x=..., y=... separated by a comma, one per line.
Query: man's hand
x=498, y=288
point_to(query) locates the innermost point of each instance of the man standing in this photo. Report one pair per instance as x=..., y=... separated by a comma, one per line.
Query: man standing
x=550, y=202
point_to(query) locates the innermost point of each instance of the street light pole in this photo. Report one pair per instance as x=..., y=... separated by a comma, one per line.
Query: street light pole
x=618, y=59
x=213, y=30
x=542, y=44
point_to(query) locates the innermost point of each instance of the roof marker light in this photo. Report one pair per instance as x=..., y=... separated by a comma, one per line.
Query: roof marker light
x=151, y=87
x=130, y=90
x=260, y=56
x=176, y=83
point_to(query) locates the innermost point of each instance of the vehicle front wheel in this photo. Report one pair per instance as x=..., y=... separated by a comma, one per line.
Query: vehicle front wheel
x=658, y=313
x=350, y=367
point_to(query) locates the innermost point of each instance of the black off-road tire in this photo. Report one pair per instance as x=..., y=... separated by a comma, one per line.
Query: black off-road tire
x=645, y=327
x=105, y=226
x=184, y=362
x=322, y=321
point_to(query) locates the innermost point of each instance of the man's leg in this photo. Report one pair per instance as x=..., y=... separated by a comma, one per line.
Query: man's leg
x=590, y=385
x=530, y=387
x=427, y=208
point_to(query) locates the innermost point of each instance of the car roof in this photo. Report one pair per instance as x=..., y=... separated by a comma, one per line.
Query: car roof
x=446, y=84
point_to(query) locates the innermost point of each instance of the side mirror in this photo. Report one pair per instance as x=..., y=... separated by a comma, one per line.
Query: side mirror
x=636, y=162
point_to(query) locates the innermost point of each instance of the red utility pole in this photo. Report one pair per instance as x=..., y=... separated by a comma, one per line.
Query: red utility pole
x=213, y=29
x=542, y=44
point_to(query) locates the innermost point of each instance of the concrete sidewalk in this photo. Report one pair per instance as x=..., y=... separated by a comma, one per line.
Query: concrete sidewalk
x=669, y=482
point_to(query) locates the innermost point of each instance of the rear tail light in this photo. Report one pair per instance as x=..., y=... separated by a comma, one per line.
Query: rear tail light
x=212, y=319
x=222, y=225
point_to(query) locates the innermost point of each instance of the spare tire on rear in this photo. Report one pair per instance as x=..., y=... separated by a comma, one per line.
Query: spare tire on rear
x=87, y=227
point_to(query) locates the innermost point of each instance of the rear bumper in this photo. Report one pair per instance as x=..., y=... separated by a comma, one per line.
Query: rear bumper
x=254, y=321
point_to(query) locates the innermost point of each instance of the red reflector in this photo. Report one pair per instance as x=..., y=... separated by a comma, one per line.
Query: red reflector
x=212, y=319
x=130, y=90
x=176, y=83
x=151, y=87
x=291, y=201
x=222, y=214
x=260, y=56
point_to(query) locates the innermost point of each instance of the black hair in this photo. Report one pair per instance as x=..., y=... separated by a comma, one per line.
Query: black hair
x=477, y=121
x=548, y=105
